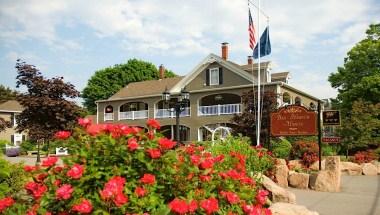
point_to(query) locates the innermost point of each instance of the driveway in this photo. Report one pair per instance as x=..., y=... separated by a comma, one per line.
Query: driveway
x=360, y=195
x=27, y=160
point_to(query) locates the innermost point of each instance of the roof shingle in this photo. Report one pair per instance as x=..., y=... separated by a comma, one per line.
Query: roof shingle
x=146, y=88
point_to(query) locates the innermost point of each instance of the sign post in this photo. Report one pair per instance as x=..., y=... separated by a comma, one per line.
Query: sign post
x=319, y=136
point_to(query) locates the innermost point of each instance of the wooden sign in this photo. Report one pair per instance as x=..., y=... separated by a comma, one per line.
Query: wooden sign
x=293, y=120
x=331, y=139
x=331, y=117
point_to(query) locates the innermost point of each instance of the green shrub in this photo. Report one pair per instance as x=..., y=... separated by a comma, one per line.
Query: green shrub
x=377, y=152
x=28, y=145
x=3, y=143
x=281, y=148
x=328, y=150
x=257, y=159
x=12, y=178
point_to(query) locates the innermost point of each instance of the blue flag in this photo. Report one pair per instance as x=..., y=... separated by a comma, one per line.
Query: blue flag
x=265, y=48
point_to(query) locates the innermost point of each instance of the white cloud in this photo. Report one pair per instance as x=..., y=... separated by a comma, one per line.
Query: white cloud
x=163, y=25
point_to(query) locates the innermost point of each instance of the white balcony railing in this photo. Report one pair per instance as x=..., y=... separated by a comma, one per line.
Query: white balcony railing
x=219, y=109
x=164, y=113
x=108, y=116
x=140, y=114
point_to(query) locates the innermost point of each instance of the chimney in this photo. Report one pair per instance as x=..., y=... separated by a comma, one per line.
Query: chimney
x=161, y=71
x=250, y=60
x=225, y=51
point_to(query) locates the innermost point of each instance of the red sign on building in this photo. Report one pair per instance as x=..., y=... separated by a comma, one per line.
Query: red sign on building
x=331, y=139
x=293, y=120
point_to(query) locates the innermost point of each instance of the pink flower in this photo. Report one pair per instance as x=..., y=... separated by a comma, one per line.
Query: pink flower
x=84, y=207
x=195, y=159
x=36, y=189
x=57, y=182
x=5, y=203
x=205, y=178
x=193, y=206
x=154, y=153
x=132, y=144
x=114, y=186
x=148, y=179
x=41, y=177
x=95, y=129
x=50, y=161
x=120, y=199
x=210, y=205
x=232, y=197
x=28, y=168
x=84, y=122
x=207, y=163
x=166, y=144
x=75, y=172
x=150, y=134
x=178, y=206
x=152, y=123
x=140, y=191
x=64, y=192
x=261, y=196
x=62, y=135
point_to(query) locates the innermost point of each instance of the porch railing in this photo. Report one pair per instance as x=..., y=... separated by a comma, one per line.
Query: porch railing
x=219, y=109
x=140, y=114
x=164, y=113
x=108, y=116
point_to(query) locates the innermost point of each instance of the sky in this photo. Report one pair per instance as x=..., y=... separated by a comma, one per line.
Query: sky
x=75, y=38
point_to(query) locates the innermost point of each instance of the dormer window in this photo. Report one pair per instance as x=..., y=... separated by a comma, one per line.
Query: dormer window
x=214, y=76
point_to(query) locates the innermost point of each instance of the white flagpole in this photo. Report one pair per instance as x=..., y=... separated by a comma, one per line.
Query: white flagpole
x=258, y=84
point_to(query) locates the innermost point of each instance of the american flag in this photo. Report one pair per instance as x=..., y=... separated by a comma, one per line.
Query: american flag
x=251, y=30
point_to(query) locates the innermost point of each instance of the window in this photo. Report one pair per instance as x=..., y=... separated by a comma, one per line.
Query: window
x=214, y=76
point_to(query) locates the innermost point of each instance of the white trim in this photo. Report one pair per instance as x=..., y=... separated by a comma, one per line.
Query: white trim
x=213, y=70
x=97, y=113
x=10, y=111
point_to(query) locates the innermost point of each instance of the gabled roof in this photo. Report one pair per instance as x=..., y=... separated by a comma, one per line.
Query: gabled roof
x=145, y=88
x=10, y=106
x=211, y=58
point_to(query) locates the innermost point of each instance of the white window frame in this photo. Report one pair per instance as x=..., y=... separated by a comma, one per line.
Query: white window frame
x=210, y=75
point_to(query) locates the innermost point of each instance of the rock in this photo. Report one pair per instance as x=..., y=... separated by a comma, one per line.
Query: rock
x=281, y=173
x=295, y=164
x=351, y=168
x=377, y=164
x=279, y=161
x=279, y=194
x=327, y=180
x=281, y=208
x=315, y=165
x=299, y=180
x=369, y=169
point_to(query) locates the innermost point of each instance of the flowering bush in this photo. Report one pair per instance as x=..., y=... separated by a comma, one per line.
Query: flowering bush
x=301, y=147
x=118, y=169
x=364, y=157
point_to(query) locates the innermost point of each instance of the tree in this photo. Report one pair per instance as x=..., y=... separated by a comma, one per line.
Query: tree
x=46, y=109
x=106, y=82
x=245, y=123
x=358, y=84
x=359, y=77
x=7, y=94
x=361, y=128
